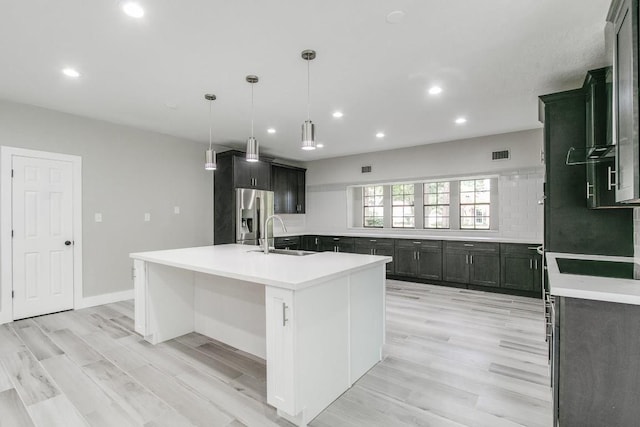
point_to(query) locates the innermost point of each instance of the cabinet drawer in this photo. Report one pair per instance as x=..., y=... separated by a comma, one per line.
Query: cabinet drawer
x=291, y=242
x=418, y=243
x=518, y=248
x=369, y=242
x=490, y=247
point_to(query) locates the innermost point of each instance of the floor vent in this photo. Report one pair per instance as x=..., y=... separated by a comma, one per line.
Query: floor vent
x=366, y=169
x=500, y=155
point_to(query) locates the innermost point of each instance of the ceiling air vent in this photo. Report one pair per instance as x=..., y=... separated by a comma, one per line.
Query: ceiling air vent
x=366, y=169
x=500, y=155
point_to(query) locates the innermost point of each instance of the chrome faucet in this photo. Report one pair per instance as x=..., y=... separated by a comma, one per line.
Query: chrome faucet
x=266, y=231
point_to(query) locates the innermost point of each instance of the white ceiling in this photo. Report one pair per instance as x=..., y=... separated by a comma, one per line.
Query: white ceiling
x=491, y=57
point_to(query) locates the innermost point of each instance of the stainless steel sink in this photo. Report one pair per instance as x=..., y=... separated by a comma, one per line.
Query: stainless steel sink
x=286, y=252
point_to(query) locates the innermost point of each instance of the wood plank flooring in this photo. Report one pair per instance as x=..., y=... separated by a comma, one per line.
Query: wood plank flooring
x=453, y=357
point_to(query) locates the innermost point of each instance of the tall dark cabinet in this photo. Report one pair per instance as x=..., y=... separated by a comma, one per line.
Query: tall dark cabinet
x=235, y=172
x=288, y=184
x=569, y=225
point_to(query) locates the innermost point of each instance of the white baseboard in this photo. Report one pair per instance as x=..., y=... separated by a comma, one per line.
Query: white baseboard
x=106, y=299
x=5, y=318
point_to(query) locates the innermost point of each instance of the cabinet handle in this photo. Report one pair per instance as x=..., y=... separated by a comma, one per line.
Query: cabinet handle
x=535, y=264
x=414, y=254
x=530, y=264
x=470, y=259
x=370, y=251
x=316, y=240
x=418, y=255
x=284, y=314
x=375, y=251
x=417, y=243
x=589, y=194
x=468, y=245
x=466, y=259
x=610, y=184
x=373, y=241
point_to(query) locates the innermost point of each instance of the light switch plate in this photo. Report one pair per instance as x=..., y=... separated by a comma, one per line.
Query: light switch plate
x=98, y=217
x=147, y=216
x=176, y=210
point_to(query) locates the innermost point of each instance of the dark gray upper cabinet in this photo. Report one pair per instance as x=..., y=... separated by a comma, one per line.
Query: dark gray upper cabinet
x=289, y=189
x=624, y=16
x=600, y=188
x=520, y=267
x=251, y=174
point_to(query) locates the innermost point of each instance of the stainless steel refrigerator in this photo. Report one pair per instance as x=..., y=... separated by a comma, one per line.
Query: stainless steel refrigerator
x=252, y=208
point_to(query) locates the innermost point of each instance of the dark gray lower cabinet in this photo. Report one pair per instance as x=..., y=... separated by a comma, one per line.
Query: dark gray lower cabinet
x=310, y=243
x=520, y=267
x=368, y=246
x=474, y=263
x=598, y=368
x=336, y=244
x=292, y=243
x=418, y=258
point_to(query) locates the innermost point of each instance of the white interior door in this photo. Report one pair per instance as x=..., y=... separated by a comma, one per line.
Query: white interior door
x=42, y=244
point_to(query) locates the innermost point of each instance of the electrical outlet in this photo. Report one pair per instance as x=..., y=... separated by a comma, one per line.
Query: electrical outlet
x=176, y=210
x=98, y=217
x=147, y=217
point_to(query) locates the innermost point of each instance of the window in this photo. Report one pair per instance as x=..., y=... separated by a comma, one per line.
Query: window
x=403, y=210
x=436, y=204
x=373, y=203
x=475, y=199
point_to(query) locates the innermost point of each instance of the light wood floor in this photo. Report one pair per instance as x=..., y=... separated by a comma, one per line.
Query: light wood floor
x=453, y=358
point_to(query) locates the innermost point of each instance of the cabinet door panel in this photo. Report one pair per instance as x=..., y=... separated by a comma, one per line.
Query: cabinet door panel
x=430, y=264
x=517, y=272
x=300, y=200
x=281, y=190
x=386, y=250
x=456, y=267
x=484, y=269
x=310, y=243
x=405, y=262
x=241, y=173
x=261, y=173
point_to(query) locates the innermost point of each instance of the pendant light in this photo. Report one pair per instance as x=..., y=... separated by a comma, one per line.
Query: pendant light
x=210, y=155
x=252, y=143
x=308, y=128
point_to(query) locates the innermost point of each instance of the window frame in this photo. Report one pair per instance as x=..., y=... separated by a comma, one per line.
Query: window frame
x=475, y=204
x=365, y=205
x=404, y=195
x=427, y=205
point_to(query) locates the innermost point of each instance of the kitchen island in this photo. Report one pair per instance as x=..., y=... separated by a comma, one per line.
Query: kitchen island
x=317, y=320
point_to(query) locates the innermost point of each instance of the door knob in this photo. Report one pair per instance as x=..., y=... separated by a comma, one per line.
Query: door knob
x=68, y=242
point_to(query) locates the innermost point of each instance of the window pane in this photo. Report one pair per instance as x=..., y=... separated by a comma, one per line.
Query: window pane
x=408, y=200
x=430, y=211
x=397, y=211
x=443, y=222
x=482, y=210
x=378, y=211
x=467, y=186
x=430, y=187
x=467, y=210
x=483, y=184
x=398, y=200
x=409, y=222
x=466, y=197
x=443, y=187
x=397, y=221
x=378, y=200
x=368, y=211
x=482, y=223
x=408, y=211
x=368, y=191
x=379, y=190
x=396, y=189
x=467, y=222
x=445, y=211
x=483, y=197
x=443, y=199
x=430, y=222
x=431, y=199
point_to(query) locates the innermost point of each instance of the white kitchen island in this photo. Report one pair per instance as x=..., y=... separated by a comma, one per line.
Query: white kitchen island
x=317, y=320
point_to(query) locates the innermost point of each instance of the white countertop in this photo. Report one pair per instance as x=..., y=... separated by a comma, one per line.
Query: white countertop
x=625, y=291
x=374, y=235
x=244, y=263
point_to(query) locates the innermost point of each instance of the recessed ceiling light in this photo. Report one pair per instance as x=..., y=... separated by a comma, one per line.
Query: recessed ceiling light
x=461, y=120
x=320, y=145
x=271, y=130
x=133, y=9
x=395, y=17
x=171, y=105
x=380, y=135
x=435, y=90
x=338, y=114
x=71, y=72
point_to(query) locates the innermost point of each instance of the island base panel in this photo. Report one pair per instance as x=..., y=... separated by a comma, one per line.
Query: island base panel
x=231, y=311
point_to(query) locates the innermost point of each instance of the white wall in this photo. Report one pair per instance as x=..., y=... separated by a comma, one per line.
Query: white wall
x=126, y=172
x=519, y=184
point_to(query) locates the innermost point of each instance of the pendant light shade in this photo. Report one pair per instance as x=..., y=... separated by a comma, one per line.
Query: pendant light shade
x=308, y=135
x=308, y=128
x=253, y=148
x=210, y=155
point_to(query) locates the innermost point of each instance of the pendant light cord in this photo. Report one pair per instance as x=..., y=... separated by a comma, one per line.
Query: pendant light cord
x=210, y=125
x=308, y=91
x=252, y=110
